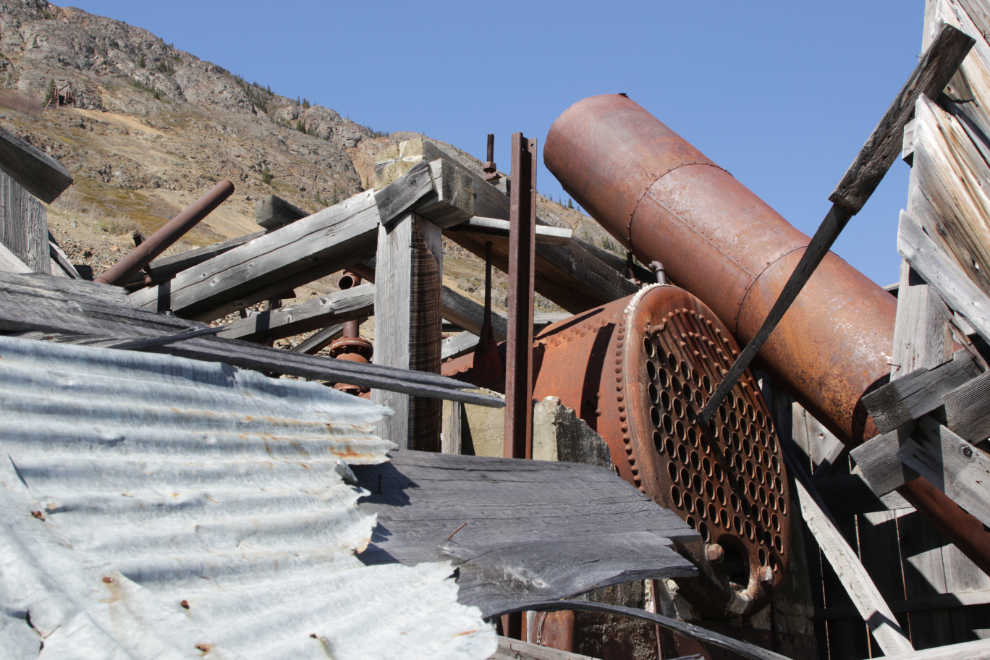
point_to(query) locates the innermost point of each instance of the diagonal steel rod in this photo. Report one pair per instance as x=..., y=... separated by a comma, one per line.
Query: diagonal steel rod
x=934, y=71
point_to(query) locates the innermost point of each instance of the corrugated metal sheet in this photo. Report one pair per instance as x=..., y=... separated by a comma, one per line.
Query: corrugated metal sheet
x=157, y=507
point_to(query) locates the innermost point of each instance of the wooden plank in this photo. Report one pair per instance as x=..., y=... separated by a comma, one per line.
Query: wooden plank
x=468, y=314
x=514, y=649
x=943, y=275
x=496, y=227
x=165, y=268
x=975, y=650
x=936, y=602
x=952, y=465
x=61, y=259
x=396, y=201
x=23, y=225
x=915, y=394
x=965, y=409
x=35, y=171
x=933, y=72
x=864, y=594
x=407, y=324
x=38, y=303
x=271, y=264
x=918, y=319
x=450, y=435
x=518, y=530
x=314, y=314
x=274, y=212
x=460, y=344
x=924, y=576
x=320, y=340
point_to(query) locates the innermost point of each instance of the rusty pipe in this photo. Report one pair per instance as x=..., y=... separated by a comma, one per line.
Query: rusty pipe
x=664, y=200
x=154, y=245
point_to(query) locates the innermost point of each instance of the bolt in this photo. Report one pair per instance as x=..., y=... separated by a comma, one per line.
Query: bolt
x=108, y=580
x=184, y=604
x=766, y=575
x=967, y=452
x=715, y=553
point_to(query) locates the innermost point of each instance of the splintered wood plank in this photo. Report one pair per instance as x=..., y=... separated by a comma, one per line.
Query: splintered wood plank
x=933, y=72
x=34, y=170
x=952, y=465
x=314, y=314
x=567, y=527
x=965, y=409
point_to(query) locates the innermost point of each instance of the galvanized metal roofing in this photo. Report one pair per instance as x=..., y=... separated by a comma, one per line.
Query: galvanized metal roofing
x=158, y=507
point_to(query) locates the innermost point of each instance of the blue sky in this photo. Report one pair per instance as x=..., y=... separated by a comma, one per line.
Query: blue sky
x=781, y=94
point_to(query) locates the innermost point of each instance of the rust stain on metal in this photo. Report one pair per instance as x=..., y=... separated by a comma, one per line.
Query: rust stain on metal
x=173, y=230
x=664, y=200
x=639, y=370
x=351, y=347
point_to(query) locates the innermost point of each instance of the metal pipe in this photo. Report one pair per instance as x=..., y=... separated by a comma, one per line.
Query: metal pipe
x=522, y=264
x=664, y=200
x=145, y=253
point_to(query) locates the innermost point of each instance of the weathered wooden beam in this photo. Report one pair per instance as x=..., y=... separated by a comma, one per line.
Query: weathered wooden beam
x=468, y=314
x=274, y=212
x=952, y=465
x=933, y=72
x=314, y=314
x=877, y=459
x=500, y=228
x=271, y=264
x=460, y=344
x=943, y=275
x=165, y=268
x=407, y=307
x=60, y=259
x=856, y=581
x=320, y=340
x=63, y=309
x=966, y=412
x=24, y=225
x=10, y=262
x=34, y=170
x=915, y=394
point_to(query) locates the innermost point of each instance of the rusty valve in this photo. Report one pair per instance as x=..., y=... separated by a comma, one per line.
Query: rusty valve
x=350, y=346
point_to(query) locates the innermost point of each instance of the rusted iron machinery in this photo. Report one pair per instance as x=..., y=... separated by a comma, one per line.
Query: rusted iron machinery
x=639, y=370
x=664, y=200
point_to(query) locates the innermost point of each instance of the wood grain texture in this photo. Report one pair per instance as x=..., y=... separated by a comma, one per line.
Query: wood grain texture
x=271, y=264
x=405, y=194
x=975, y=650
x=37, y=172
x=965, y=409
x=24, y=225
x=857, y=582
x=468, y=314
x=450, y=434
x=314, y=314
x=952, y=465
x=915, y=394
x=460, y=344
x=877, y=459
x=165, y=268
x=933, y=72
x=943, y=275
x=535, y=530
x=921, y=334
x=274, y=212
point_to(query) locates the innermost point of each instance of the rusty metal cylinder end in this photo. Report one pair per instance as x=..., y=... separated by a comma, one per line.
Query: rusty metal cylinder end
x=726, y=479
x=766, y=575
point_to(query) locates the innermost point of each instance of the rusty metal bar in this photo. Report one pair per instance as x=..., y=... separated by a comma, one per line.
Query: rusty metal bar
x=930, y=76
x=666, y=201
x=154, y=245
x=522, y=262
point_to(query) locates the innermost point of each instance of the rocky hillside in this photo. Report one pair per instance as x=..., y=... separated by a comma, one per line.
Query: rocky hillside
x=146, y=128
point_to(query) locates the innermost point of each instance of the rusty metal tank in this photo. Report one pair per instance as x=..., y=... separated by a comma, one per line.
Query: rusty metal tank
x=664, y=200
x=639, y=370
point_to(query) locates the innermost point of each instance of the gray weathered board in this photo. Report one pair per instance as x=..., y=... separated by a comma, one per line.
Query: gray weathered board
x=320, y=340
x=23, y=224
x=85, y=312
x=38, y=173
x=314, y=314
x=518, y=531
x=500, y=228
x=273, y=212
x=165, y=268
x=966, y=409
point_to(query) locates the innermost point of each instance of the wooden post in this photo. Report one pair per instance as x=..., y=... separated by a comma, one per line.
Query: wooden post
x=407, y=324
x=24, y=225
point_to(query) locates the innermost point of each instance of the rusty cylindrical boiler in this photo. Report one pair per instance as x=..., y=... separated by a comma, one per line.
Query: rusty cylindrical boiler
x=640, y=370
x=664, y=200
